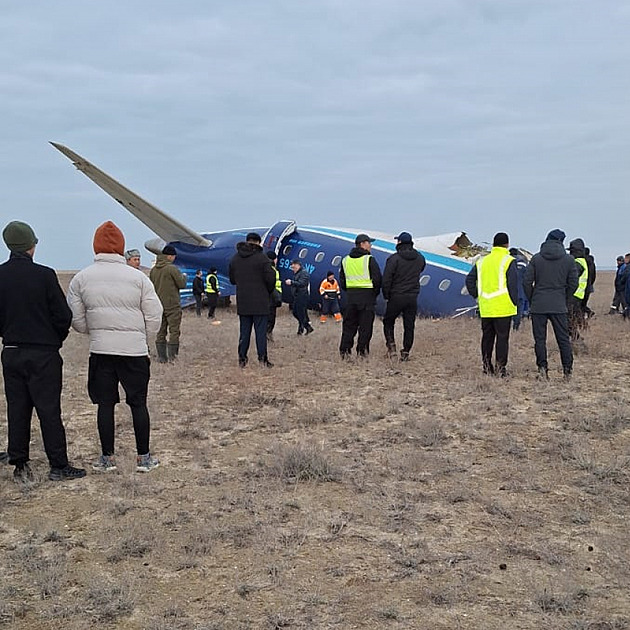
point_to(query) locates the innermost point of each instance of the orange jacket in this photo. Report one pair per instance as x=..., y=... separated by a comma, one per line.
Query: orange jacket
x=329, y=288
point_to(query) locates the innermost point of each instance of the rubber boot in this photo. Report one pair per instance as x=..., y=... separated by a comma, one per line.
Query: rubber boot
x=161, y=352
x=173, y=351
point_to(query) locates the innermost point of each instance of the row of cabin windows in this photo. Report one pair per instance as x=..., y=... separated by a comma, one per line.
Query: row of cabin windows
x=336, y=261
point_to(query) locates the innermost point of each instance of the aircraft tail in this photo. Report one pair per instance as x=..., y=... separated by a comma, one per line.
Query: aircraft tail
x=165, y=226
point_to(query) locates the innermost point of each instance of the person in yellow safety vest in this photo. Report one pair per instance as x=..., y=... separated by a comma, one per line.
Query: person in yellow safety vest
x=576, y=311
x=493, y=281
x=360, y=278
x=331, y=296
x=212, y=291
x=275, y=298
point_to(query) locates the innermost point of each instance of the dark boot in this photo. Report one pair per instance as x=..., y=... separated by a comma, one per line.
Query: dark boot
x=172, y=351
x=265, y=362
x=161, y=352
x=391, y=349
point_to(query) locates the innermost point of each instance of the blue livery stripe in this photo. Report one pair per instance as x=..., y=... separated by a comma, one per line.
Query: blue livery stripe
x=443, y=261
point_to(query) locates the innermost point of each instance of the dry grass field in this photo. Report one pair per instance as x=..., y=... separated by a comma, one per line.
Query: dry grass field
x=322, y=494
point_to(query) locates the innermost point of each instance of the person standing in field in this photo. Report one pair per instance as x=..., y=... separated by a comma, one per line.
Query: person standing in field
x=360, y=278
x=252, y=273
x=551, y=279
x=197, y=291
x=401, y=285
x=168, y=280
x=493, y=281
x=212, y=291
x=117, y=306
x=34, y=322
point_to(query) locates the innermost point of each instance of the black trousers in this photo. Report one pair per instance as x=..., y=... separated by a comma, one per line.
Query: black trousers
x=197, y=297
x=576, y=318
x=407, y=305
x=271, y=322
x=32, y=380
x=105, y=371
x=560, y=325
x=357, y=318
x=213, y=298
x=300, y=312
x=259, y=323
x=495, y=331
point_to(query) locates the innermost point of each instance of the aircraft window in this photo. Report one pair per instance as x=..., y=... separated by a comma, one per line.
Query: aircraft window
x=287, y=249
x=445, y=284
x=425, y=280
x=319, y=257
x=336, y=261
x=303, y=253
x=464, y=290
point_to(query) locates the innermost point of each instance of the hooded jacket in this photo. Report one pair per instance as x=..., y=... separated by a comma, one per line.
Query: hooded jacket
x=362, y=297
x=116, y=305
x=550, y=279
x=33, y=309
x=167, y=280
x=402, y=271
x=253, y=274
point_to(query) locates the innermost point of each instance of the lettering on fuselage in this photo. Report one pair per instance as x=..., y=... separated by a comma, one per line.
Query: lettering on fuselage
x=304, y=243
x=285, y=263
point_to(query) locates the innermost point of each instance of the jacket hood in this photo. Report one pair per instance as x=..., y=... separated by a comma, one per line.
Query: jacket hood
x=161, y=260
x=117, y=258
x=406, y=251
x=552, y=250
x=245, y=249
x=576, y=248
x=357, y=252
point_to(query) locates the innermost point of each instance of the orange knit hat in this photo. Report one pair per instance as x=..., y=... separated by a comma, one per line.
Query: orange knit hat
x=108, y=239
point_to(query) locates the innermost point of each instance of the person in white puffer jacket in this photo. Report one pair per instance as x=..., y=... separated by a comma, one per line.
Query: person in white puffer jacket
x=116, y=305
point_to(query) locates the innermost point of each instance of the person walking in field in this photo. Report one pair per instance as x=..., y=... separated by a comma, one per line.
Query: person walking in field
x=168, y=280
x=401, y=285
x=551, y=279
x=118, y=308
x=299, y=288
x=34, y=322
x=493, y=281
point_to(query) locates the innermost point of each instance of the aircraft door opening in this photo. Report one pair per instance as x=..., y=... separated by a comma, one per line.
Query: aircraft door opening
x=276, y=233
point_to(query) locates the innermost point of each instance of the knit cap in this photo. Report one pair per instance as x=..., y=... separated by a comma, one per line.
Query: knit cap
x=19, y=236
x=108, y=239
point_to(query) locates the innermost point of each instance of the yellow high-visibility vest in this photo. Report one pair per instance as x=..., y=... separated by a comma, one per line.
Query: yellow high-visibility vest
x=493, y=296
x=357, y=271
x=278, y=281
x=580, y=292
x=209, y=288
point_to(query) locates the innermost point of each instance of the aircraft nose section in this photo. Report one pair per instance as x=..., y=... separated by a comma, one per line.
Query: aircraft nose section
x=155, y=245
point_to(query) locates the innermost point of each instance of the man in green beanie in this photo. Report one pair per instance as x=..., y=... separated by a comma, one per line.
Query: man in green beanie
x=34, y=322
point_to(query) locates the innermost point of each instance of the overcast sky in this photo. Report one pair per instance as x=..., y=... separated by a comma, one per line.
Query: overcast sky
x=425, y=115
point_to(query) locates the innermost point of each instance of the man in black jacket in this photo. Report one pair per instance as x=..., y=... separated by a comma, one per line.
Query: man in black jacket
x=34, y=322
x=401, y=285
x=252, y=273
x=551, y=279
x=360, y=278
x=299, y=287
x=197, y=291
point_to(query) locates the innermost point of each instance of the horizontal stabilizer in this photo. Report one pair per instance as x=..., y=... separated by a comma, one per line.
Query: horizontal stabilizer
x=155, y=219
